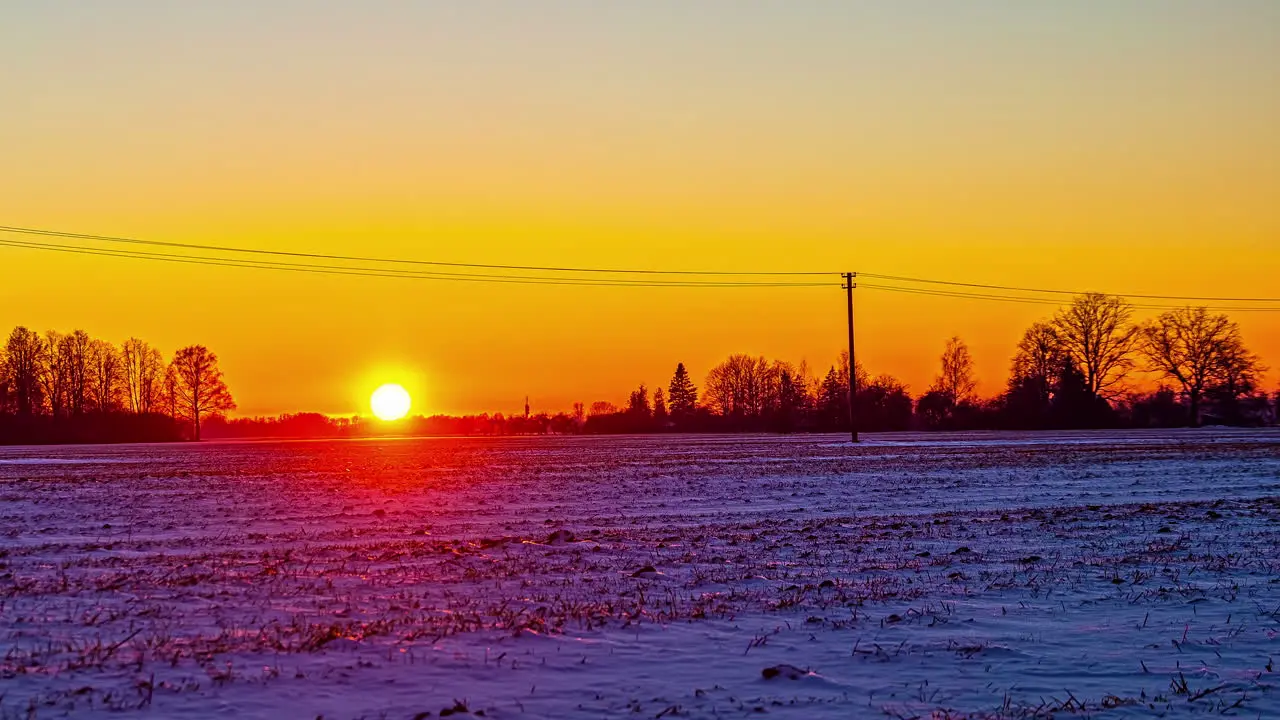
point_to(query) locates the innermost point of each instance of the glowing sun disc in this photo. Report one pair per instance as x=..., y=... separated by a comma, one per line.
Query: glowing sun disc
x=390, y=402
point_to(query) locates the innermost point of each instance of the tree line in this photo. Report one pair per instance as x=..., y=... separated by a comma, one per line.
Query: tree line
x=70, y=387
x=1074, y=369
x=1071, y=370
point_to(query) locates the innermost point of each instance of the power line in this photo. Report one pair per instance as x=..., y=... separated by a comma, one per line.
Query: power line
x=1139, y=296
x=1034, y=301
x=385, y=272
x=394, y=273
x=357, y=258
x=653, y=277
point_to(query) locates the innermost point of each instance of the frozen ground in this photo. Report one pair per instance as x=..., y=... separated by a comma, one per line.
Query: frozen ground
x=1093, y=575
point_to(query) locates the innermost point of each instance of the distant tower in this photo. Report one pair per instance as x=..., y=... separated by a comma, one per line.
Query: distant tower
x=526, y=406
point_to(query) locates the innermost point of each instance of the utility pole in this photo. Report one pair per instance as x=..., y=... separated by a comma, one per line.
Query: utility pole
x=849, y=285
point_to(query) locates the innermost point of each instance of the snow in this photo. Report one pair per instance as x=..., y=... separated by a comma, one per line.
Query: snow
x=986, y=575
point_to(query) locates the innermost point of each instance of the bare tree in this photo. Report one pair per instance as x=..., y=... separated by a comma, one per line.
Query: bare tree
x=740, y=386
x=106, y=376
x=201, y=390
x=1039, y=353
x=786, y=385
x=169, y=391
x=842, y=372
x=602, y=407
x=1196, y=349
x=764, y=385
x=54, y=373
x=1036, y=362
x=23, y=358
x=1239, y=372
x=956, y=380
x=805, y=382
x=71, y=358
x=1097, y=336
x=143, y=375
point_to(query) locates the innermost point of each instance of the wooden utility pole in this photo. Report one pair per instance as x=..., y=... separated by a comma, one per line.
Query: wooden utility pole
x=853, y=364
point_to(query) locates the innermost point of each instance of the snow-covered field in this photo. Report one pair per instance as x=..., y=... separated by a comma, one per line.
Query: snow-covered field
x=1105, y=574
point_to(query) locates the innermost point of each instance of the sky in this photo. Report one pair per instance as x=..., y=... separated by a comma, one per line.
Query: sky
x=1126, y=146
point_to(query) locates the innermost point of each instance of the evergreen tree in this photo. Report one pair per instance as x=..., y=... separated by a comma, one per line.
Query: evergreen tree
x=790, y=403
x=659, y=405
x=1027, y=403
x=682, y=395
x=638, y=403
x=1074, y=404
x=1033, y=375
x=833, y=402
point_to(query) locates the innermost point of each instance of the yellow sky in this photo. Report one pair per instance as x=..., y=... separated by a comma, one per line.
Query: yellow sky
x=1130, y=147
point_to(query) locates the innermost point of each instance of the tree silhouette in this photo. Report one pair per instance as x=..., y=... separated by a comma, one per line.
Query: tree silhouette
x=659, y=405
x=1075, y=404
x=200, y=390
x=956, y=380
x=1096, y=334
x=935, y=408
x=73, y=356
x=23, y=357
x=68, y=388
x=1037, y=360
x=792, y=401
x=54, y=373
x=833, y=402
x=143, y=375
x=1196, y=349
x=106, y=376
x=638, y=403
x=1033, y=374
x=169, y=392
x=741, y=386
x=806, y=384
x=1159, y=409
x=682, y=394
x=842, y=370
x=601, y=407
x=1066, y=373
x=1238, y=375
x=884, y=405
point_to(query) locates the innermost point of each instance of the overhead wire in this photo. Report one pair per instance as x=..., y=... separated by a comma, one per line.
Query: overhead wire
x=1037, y=301
x=405, y=261
x=395, y=273
x=1139, y=296
x=585, y=276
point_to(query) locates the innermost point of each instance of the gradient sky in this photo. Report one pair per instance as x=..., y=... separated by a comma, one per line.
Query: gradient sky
x=1124, y=146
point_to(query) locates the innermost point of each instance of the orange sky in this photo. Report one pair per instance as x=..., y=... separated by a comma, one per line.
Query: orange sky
x=1127, y=147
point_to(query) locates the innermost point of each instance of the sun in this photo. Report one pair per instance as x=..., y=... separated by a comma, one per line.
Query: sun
x=390, y=402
